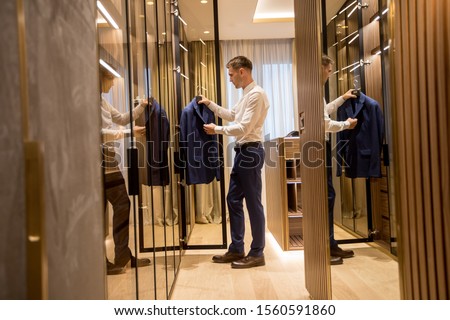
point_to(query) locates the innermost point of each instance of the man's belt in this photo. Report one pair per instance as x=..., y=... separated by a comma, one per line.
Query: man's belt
x=255, y=144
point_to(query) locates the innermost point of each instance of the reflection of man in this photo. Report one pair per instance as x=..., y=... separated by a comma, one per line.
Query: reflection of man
x=114, y=183
x=334, y=126
x=245, y=179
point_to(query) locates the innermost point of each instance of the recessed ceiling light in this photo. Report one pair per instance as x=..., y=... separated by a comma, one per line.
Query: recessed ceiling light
x=204, y=1
x=206, y=32
x=150, y=3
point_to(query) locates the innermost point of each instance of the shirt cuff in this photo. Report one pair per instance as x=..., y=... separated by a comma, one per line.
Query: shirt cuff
x=218, y=129
x=346, y=124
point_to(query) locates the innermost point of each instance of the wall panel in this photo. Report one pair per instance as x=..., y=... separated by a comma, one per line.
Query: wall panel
x=312, y=140
x=421, y=135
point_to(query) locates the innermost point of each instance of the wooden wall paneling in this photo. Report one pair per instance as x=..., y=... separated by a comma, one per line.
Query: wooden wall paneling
x=443, y=95
x=420, y=121
x=314, y=194
x=276, y=191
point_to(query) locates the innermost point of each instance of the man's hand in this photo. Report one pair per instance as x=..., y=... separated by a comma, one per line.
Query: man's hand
x=139, y=131
x=349, y=95
x=204, y=101
x=209, y=128
x=353, y=122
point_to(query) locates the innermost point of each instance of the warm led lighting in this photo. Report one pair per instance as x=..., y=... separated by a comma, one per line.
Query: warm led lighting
x=351, y=12
x=204, y=1
x=181, y=19
x=385, y=11
x=203, y=65
x=107, y=15
x=150, y=3
x=350, y=35
x=206, y=32
x=183, y=47
x=353, y=39
x=334, y=17
x=347, y=7
x=358, y=66
x=109, y=68
x=184, y=76
x=273, y=16
x=203, y=42
x=349, y=66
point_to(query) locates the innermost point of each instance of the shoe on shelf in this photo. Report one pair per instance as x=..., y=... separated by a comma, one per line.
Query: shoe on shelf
x=338, y=252
x=113, y=269
x=249, y=262
x=336, y=260
x=228, y=257
x=139, y=262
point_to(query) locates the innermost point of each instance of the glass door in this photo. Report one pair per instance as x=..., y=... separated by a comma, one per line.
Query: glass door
x=201, y=169
x=358, y=41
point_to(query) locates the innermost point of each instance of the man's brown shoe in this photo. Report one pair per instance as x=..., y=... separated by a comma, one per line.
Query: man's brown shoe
x=249, y=262
x=338, y=252
x=228, y=257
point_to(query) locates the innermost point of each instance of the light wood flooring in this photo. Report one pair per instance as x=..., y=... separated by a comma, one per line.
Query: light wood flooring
x=371, y=275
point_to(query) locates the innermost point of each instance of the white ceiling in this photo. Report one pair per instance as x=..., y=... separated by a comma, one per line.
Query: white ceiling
x=236, y=18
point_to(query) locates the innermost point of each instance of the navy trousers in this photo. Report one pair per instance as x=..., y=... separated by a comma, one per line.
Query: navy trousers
x=331, y=196
x=116, y=193
x=246, y=183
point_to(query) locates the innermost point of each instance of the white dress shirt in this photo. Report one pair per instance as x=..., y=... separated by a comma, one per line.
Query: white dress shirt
x=248, y=115
x=333, y=125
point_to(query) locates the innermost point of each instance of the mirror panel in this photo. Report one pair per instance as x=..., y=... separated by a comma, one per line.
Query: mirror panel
x=113, y=55
x=198, y=77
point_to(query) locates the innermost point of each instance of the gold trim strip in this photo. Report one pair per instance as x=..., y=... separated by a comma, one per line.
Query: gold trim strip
x=37, y=274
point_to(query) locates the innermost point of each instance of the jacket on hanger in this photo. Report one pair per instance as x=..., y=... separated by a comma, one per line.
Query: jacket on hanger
x=158, y=139
x=359, y=149
x=199, y=151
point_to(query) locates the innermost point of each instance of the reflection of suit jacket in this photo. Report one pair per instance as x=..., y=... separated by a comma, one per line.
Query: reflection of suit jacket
x=359, y=149
x=157, y=137
x=199, y=151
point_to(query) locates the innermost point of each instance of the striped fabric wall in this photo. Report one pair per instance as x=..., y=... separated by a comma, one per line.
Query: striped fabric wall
x=421, y=127
x=310, y=106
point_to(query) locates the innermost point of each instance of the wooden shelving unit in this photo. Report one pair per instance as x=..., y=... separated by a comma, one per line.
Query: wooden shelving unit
x=283, y=192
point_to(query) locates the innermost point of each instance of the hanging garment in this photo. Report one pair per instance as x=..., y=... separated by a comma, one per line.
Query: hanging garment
x=158, y=140
x=359, y=149
x=199, y=151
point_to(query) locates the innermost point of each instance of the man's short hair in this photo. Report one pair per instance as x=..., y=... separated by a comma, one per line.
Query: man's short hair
x=240, y=62
x=326, y=60
x=105, y=74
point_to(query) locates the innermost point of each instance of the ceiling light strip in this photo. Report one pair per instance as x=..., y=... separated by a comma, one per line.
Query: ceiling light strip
x=109, y=68
x=348, y=6
x=107, y=16
x=351, y=34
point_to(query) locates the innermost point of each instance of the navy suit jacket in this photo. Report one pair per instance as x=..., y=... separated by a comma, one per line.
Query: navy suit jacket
x=199, y=151
x=359, y=149
x=158, y=138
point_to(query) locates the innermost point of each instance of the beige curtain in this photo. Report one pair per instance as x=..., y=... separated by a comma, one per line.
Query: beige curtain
x=203, y=82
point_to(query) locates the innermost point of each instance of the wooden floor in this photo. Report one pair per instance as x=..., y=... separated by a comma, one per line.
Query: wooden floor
x=370, y=275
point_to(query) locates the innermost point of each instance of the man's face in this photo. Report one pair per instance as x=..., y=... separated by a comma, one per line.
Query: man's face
x=326, y=72
x=235, y=77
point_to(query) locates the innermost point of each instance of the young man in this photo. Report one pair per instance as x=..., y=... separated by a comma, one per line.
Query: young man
x=334, y=126
x=114, y=183
x=248, y=116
